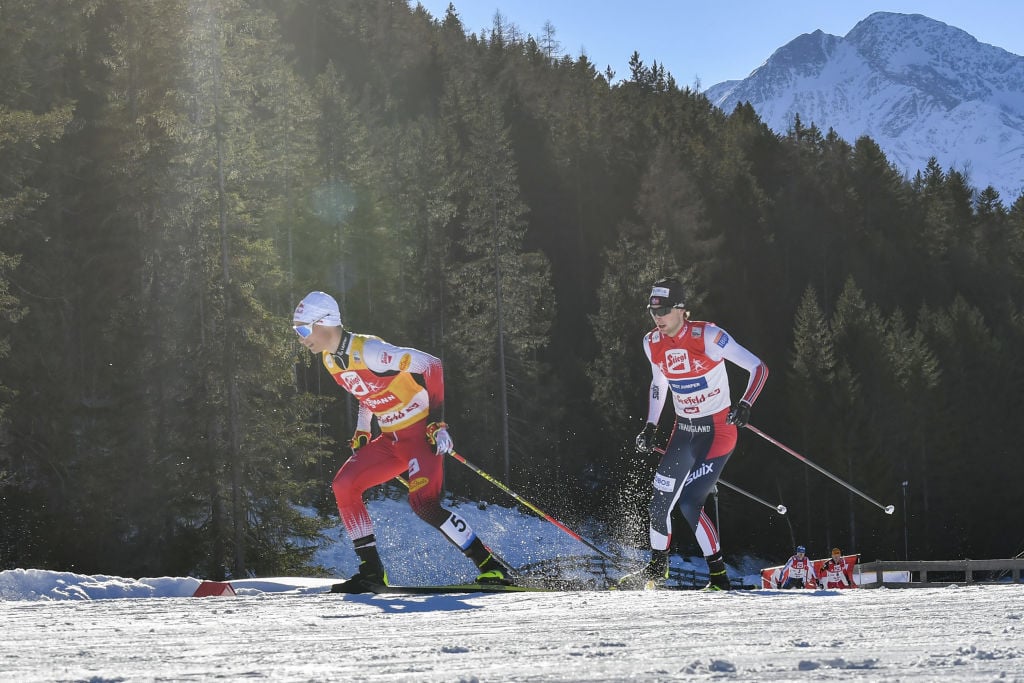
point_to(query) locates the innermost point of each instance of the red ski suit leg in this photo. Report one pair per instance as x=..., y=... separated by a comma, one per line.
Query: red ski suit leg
x=385, y=458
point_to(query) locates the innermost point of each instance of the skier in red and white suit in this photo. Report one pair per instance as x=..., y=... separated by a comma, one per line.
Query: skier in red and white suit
x=688, y=362
x=403, y=389
x=798, y=571
x=835, y=573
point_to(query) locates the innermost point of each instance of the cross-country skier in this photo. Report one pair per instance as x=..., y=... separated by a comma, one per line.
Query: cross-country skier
x=688, y=361
x=403, y=390
x=835, y=573
x=798, y=571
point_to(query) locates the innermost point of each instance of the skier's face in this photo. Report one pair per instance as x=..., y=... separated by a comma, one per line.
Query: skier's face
x=669, y=320
x=318, y=338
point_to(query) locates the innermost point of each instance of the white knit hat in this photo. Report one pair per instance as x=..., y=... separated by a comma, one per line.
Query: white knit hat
x=319, y=308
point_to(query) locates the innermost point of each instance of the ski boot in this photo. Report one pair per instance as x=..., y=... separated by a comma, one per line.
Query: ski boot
x=371, y=572
x=651, y=576
x=719, y=578
x=494, y=571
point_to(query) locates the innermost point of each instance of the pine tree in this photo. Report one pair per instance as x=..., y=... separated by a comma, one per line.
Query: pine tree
x=494, y=284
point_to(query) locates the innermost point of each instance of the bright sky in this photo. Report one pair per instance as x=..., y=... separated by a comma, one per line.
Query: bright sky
x=718, y=40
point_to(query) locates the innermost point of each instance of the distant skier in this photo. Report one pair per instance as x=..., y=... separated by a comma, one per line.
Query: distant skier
x=798, y=571
x=403, y=390
x=688, y=361
x=835, y=573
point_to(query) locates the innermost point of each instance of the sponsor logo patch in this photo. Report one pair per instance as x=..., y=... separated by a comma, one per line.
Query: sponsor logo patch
x=677, y=361
x=381, y=402
x=721, y=338
x=704, y=469
x=354, y=384
x=688, y=386
x=418, y=483
x=695, y=400
x=405, y=362
x=663, y=483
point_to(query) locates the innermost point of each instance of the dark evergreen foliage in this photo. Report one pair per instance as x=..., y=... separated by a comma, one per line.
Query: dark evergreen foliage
x=174, y=176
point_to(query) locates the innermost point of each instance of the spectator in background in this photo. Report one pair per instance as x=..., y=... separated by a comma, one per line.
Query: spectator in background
x=835, y=573
x=799, y=571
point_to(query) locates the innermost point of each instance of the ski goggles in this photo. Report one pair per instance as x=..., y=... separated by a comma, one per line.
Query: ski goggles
x=306, y=329
x=660, y=311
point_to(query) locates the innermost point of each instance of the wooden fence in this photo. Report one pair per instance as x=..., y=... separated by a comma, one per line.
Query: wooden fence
x=940, y=573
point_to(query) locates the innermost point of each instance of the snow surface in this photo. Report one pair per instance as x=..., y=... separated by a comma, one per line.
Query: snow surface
x=59, y=626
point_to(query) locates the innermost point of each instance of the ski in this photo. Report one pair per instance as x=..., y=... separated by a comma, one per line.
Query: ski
x=525, y=585
x=459, y=588
x=450, y=588
x=497, y=588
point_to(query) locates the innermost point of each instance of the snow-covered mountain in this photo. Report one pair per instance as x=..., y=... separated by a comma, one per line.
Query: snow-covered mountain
x=917, y=86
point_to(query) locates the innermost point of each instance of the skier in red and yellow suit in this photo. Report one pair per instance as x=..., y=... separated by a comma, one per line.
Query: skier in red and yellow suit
x=403, y=389
x=688, y=361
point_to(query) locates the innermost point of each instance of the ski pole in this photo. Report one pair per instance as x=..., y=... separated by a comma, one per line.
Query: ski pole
x=532, y=507
x=405, y=483
x=887, y=509
x=781, y=509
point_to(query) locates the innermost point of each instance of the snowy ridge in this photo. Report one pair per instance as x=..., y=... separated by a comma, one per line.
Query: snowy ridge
x=917, y=86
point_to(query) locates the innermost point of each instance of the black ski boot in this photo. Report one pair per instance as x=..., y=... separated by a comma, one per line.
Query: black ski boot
x=652, y=575
x=719, y=579
x=371, y=572
x=492, y=570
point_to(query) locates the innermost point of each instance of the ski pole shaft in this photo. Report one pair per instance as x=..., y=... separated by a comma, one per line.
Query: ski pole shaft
x=887, y=509
x=781, y=509
x=531, y=506
x=405, y=483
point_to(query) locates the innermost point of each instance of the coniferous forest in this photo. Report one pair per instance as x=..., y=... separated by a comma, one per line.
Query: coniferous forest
x=175, y=176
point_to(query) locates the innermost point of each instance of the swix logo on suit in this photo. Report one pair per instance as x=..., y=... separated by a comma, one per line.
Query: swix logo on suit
x=385, y=386
x=699, y=472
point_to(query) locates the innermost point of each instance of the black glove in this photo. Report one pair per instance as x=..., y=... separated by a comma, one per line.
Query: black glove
x=739, y=415
x=645, y=439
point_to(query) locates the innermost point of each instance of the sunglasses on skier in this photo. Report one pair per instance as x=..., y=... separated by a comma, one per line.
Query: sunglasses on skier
x=660, y=311
x=306, y=329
